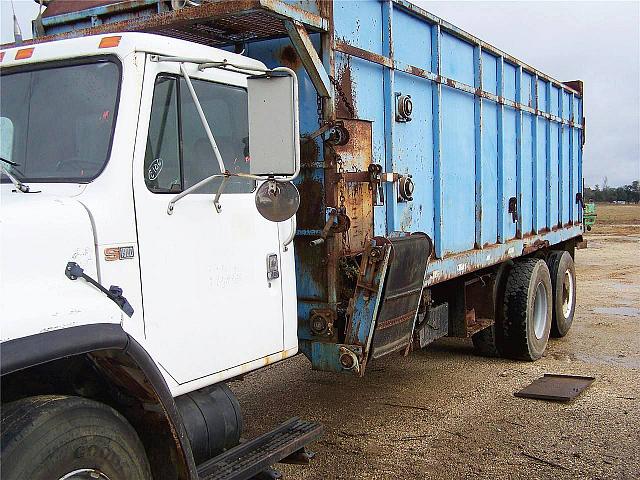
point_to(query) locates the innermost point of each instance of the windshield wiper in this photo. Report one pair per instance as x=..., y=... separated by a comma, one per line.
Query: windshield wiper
x=22, y=187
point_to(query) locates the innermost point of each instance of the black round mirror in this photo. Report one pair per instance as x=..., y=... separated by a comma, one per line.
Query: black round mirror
x=277, y=201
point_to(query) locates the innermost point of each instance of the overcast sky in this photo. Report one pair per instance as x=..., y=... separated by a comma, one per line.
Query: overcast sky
x=597, y=42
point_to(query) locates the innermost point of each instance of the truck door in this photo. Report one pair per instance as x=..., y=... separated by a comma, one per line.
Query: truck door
x=208, y=304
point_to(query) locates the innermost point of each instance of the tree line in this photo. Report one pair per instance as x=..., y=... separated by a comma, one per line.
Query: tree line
x=627, y=193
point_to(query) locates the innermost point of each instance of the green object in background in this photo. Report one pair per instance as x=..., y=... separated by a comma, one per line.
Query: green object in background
x=589, y=215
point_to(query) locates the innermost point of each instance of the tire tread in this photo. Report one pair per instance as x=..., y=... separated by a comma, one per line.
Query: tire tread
x=515, y=309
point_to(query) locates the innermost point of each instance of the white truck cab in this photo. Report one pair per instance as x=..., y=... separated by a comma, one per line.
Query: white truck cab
x=126, y=160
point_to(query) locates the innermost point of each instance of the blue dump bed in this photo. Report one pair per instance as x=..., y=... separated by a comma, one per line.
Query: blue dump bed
x=494, y=146
x=409, y=125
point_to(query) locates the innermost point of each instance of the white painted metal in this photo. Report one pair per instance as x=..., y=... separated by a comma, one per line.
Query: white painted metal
x=203, y=309
x=40, y=234
x=203, y=271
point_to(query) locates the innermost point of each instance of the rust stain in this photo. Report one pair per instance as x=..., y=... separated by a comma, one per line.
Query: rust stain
x=288, y=56
x=211, y=23
x=417, y=71
x=313, y=264
x=309, y=215
x=325, y=8
x=357, y=156
x=346, y=48
x=346, y=84
x=537, y=245
x=61, y=7
x=308, y=151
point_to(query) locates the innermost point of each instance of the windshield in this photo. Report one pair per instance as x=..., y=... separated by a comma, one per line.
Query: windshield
x=56, y=123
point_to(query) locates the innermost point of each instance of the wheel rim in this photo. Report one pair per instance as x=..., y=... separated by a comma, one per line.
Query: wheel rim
x=567, y=293
x=85, y=474
x=540, y=311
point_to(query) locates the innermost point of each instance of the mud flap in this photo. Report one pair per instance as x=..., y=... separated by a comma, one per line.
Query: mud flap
x=382, y=313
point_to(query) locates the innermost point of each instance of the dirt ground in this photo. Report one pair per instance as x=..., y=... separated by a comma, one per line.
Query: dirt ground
x=444, y=413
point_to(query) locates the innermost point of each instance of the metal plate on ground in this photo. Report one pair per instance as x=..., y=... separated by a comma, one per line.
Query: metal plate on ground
x=558, y=388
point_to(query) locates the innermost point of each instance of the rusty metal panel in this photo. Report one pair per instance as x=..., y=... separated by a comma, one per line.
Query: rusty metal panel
x=61, y=7
x=559, y=388
x=214, y=22
x=402, y=293
x=434, y=324
x=356, y=156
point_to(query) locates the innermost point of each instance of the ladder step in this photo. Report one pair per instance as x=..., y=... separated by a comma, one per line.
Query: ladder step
x=246, y=460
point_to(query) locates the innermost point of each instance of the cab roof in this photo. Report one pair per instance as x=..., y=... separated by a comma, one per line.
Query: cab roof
x=121, y=44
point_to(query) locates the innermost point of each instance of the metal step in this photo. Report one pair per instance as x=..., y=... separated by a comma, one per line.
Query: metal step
x=250, y=458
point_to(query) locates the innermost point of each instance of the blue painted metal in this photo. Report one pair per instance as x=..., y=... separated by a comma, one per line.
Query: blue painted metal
x=500, y=203
x=114, y=12
x=548, y=149
x=309, y=57
x=388, y=95
x=561, y=170
x=437, y=142
x=477, y=83
x=326, y=356
x=486, y=127
x=441, y=270
x=367, y=297
x=534, y=160
x=519, y=154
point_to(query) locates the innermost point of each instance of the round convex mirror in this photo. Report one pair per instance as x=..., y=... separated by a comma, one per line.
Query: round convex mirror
x=277, y=201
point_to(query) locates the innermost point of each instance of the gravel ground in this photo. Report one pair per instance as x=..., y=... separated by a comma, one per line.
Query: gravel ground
x=444, y=413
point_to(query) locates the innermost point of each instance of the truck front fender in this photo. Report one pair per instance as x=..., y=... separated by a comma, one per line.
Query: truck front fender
x=124, y=366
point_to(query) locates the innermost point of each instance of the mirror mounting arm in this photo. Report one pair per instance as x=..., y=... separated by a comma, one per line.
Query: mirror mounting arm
x=195, y=187
x=203, y=119
x=216, y=200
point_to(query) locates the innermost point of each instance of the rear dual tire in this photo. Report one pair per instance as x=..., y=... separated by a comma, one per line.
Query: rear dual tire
x=527, y=310
x=521, y=329
x=563, y=280
x=523, y=299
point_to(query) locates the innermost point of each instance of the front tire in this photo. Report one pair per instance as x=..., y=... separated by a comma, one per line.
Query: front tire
x=527, y=310
x=563, y=281
x=60, y=437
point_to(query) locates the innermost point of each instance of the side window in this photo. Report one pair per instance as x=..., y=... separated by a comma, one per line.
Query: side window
x=179, y=154
x=162, y=157
x=6, y=138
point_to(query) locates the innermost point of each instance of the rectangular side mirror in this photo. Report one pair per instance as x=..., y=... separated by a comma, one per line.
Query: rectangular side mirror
x=273, y=125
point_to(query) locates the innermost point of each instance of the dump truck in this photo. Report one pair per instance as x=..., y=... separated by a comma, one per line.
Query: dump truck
x=194, y=190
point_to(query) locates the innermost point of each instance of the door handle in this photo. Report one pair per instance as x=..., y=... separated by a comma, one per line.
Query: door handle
x=273, y=273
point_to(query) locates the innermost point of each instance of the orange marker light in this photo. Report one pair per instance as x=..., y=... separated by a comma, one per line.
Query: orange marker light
x=1, y=56
x=24, y=53
x=109, y=42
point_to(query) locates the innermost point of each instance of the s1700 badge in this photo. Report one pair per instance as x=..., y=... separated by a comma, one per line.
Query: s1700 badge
x=118, y=253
